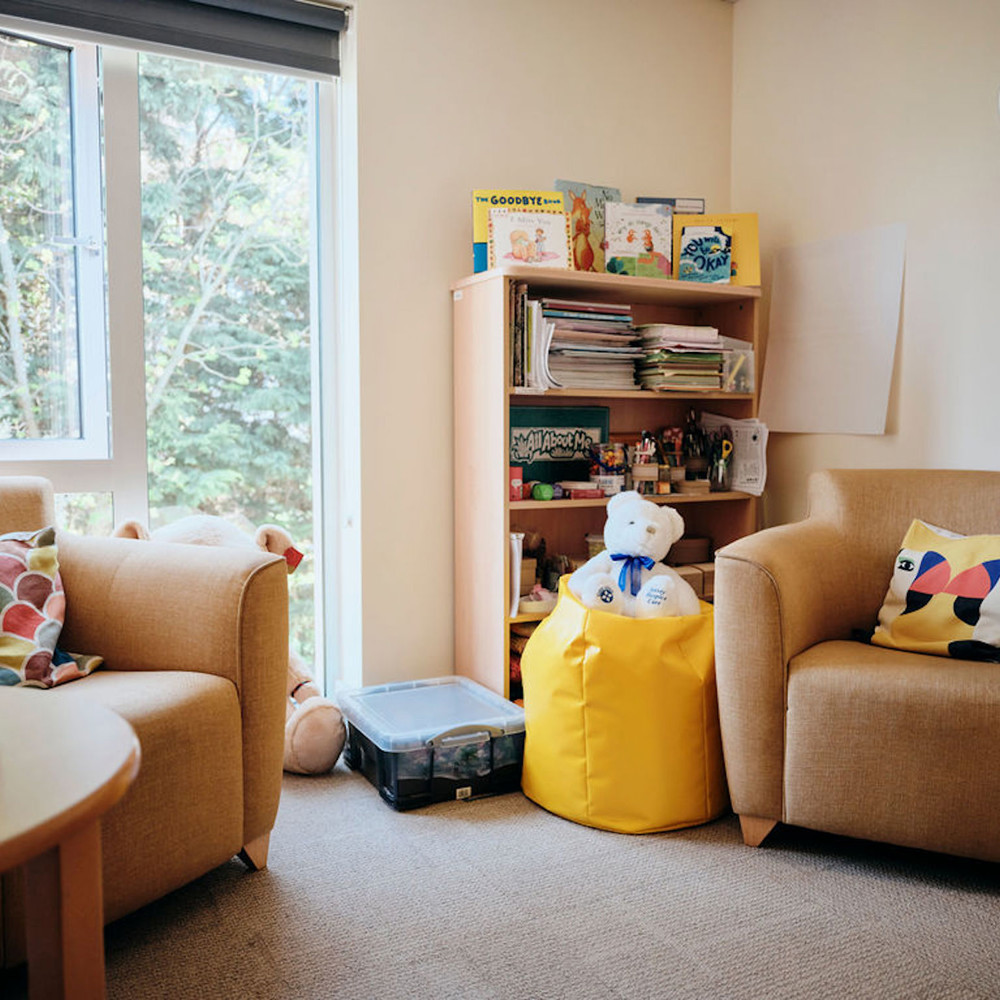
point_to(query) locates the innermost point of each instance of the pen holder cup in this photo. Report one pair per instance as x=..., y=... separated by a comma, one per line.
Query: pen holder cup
x=720, y=476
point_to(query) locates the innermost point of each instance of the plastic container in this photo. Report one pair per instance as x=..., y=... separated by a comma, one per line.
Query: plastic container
x=428, y=741
x=738, y=374
x=595, y=545
x=609, y=484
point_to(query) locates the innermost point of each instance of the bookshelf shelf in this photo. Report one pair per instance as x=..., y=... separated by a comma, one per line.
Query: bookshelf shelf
x=615, y=287
x=484, y=516
x=673, y=499
x=646, y=395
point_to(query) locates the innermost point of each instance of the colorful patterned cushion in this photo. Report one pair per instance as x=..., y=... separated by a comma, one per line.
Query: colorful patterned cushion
x=32, y=609
x=944, y=596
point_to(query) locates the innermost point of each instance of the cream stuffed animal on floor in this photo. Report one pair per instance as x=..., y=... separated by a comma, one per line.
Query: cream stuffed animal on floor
x=628, y=578
x=314, y=727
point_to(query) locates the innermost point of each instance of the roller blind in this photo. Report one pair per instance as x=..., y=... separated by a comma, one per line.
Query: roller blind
x=291, y=33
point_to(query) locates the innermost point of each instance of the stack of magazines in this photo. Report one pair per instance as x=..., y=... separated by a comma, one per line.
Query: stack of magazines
x=686, y=358
x=587, y=345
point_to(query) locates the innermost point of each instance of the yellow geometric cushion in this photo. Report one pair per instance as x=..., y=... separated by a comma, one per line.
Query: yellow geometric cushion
x=943, y=597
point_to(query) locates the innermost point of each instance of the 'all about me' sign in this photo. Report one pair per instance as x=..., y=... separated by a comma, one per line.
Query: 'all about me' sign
x=552, y=443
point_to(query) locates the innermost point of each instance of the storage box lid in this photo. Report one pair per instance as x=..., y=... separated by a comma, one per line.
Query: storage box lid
x=404, y=716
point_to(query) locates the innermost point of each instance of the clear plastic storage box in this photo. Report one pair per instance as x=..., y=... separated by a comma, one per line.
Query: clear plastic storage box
x=427, y=741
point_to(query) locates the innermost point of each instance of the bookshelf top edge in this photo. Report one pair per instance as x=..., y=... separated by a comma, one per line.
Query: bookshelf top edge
x=623, y=286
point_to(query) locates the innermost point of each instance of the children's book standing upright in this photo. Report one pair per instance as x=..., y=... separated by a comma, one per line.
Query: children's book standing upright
x=742, y=227
x=540, y=239
x=679, y=206
x=584, y=204
x=639, y=239
x=520, y=201
x=705, y=255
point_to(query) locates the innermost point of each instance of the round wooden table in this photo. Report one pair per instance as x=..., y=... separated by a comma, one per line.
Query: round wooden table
x=64, y=762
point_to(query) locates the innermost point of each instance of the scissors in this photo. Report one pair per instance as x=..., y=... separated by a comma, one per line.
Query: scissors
x=724, y=444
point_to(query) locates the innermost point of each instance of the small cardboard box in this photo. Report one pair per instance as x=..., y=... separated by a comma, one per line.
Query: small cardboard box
x=694, y=576
x=528, y=569
x=708, y=574
x=514, y=475
x=689, y=550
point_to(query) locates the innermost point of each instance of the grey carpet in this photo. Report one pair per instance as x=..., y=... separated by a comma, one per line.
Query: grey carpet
x=498, y=899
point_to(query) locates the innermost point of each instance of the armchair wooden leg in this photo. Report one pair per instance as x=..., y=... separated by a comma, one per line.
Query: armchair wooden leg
x=254, y=854
x=755, y=829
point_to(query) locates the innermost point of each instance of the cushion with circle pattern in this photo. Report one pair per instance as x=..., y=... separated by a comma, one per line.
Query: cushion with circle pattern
x=32, y=611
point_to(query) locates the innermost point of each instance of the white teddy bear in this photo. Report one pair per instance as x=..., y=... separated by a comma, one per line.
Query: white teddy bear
x=628, y=578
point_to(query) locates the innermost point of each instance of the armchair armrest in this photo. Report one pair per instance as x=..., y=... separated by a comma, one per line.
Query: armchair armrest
x=777, y=593
x=158, y=606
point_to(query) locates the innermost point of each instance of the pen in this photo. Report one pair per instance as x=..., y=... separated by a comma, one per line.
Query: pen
x=731, y=379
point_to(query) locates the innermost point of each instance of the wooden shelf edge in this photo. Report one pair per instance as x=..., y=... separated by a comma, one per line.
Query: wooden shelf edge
x=666, y=498
x=517, y=392
x=620, y=285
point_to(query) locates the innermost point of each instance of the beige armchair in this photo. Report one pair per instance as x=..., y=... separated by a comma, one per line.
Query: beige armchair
x=195, y=643
x=838, y=735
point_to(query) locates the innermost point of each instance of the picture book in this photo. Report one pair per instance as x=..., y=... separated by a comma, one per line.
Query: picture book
x=638, y=239
x=584, y=204
x=742, y=228
x=540, y=239
x=524, y=201
x=678, y=206
x=704, y=255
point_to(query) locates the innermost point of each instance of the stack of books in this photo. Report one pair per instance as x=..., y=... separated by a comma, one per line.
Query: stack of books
x=686, y=358
x=590, y=345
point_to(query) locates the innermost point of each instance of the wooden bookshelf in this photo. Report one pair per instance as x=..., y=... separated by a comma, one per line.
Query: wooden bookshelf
x=484, y=516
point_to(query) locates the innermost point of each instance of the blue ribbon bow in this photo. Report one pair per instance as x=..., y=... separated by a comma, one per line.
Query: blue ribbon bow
x=632, y=565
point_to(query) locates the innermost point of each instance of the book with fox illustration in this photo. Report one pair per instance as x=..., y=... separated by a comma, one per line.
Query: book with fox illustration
x=584, y=204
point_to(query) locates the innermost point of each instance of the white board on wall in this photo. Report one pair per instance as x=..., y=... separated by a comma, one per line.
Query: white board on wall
x=832, y=333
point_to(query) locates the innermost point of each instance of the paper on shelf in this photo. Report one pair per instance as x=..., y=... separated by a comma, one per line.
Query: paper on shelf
x=516, y=545
x=539, y=375
x=749, y=450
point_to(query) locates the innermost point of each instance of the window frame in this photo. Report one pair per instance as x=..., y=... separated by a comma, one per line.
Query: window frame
x=88, y=248
x=336, y=376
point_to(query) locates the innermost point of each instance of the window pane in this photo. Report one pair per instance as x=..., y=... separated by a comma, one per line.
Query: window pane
x=39, y=368
x=226, y=237
x=85, y=513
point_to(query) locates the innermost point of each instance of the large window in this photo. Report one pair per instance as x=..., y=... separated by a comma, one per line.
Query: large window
x=184, y=380
x=53, y=390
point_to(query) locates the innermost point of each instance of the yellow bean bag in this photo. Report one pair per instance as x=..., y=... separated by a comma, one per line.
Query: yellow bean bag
x=621, y=719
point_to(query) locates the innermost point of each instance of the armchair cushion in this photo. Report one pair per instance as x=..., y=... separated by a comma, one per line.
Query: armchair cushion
x=32, y=611
x=943, y=597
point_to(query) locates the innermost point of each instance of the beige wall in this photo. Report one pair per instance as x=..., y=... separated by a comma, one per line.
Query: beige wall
x=863, y=112
x=459, y=94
